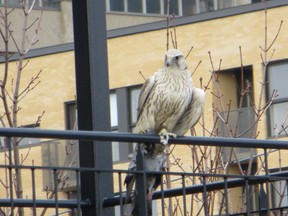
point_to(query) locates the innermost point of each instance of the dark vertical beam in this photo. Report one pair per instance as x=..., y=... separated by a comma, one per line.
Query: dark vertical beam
x=92, y=100
x=140, y=187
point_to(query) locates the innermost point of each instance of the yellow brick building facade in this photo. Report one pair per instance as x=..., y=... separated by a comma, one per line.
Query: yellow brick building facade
x=129, y=53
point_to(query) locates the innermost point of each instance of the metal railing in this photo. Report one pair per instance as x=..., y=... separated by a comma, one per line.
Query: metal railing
x=180, y=192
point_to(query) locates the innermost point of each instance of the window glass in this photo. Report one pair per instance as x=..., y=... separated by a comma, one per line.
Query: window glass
x=277, y=74
x=189, y=7
x=205, y=6
x=135, y=6
x=153, y=6
x=277, y=80
x=117, y=5
x=173, y=7
x=278, y=119
x=113, y=110
x=134, y=95
x=53, y=154
x=115, y=151
x=45, y=4
x=71, y=115
x=48, y=3
x=279, y=194
x=233, y=3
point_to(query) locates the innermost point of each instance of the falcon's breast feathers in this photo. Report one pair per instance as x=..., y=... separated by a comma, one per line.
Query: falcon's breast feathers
x=168, y=104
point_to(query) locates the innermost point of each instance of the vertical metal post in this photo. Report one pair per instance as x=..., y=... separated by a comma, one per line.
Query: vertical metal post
x=162, y=199
x=9, y=144
x=141, y=200
x=55, y=177
x=184, y=194
x=205, y=196
x=226, y=195
x=92, y=100
x=267, y=182
x=247, y=197
x=121, y=193
x=34, y=211
x=79, y=213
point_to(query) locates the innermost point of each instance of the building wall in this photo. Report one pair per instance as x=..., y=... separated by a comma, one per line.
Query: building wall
x=144, y=52
x=56, y=26
x=49, y=33
x=49, y=96
x=244, y=30
x=221, y=37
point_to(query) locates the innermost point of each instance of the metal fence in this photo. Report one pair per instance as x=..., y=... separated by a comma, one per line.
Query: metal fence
x=182, y=196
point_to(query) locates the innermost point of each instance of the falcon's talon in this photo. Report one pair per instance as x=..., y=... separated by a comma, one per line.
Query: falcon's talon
x=165, y=135
x=164, y=140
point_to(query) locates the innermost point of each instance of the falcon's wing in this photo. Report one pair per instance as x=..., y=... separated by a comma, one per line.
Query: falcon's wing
x=192, y=114
x=145, y=91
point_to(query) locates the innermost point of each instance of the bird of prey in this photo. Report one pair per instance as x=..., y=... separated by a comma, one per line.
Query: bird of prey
x=168, y=104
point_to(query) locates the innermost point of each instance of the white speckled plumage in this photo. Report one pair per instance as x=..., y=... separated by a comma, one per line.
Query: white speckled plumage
x=168, y=100
x=165, y=95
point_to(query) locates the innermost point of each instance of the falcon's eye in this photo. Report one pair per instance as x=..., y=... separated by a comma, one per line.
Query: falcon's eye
x=176, y=57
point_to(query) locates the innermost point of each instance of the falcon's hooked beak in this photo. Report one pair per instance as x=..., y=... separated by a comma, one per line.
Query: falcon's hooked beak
x=168, y=61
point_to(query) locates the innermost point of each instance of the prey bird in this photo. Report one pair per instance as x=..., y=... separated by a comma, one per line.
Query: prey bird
x=168, y=105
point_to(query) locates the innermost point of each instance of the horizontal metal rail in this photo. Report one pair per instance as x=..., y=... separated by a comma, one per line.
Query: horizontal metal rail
x=131, y=137
x=229, y=181
x=262, y=211
x=213, y=186
x=71, y=203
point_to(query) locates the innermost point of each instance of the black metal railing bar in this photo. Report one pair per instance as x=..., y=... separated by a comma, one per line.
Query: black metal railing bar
x=225, y=181
x=131, y=137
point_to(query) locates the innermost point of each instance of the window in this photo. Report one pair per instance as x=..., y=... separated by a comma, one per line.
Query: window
x=135, y=6
x=39, y=4
x=174, y=7
x=134, y=95
x=277, y=74
x=153, y=7
x=53, y=155
x=116, y=5
x=71, y=115
x=231, y=83
x=279, y=194
x=279, y=190
x=240, y=118
x=116, y=148
x=123, y=117
x=113, y=110
x=189, y=7
x=177, y=7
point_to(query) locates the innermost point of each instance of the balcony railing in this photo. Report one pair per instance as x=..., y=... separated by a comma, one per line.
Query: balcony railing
x=181, y=191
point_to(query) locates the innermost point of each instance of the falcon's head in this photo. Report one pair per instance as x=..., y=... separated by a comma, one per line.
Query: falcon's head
x=175, y=59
